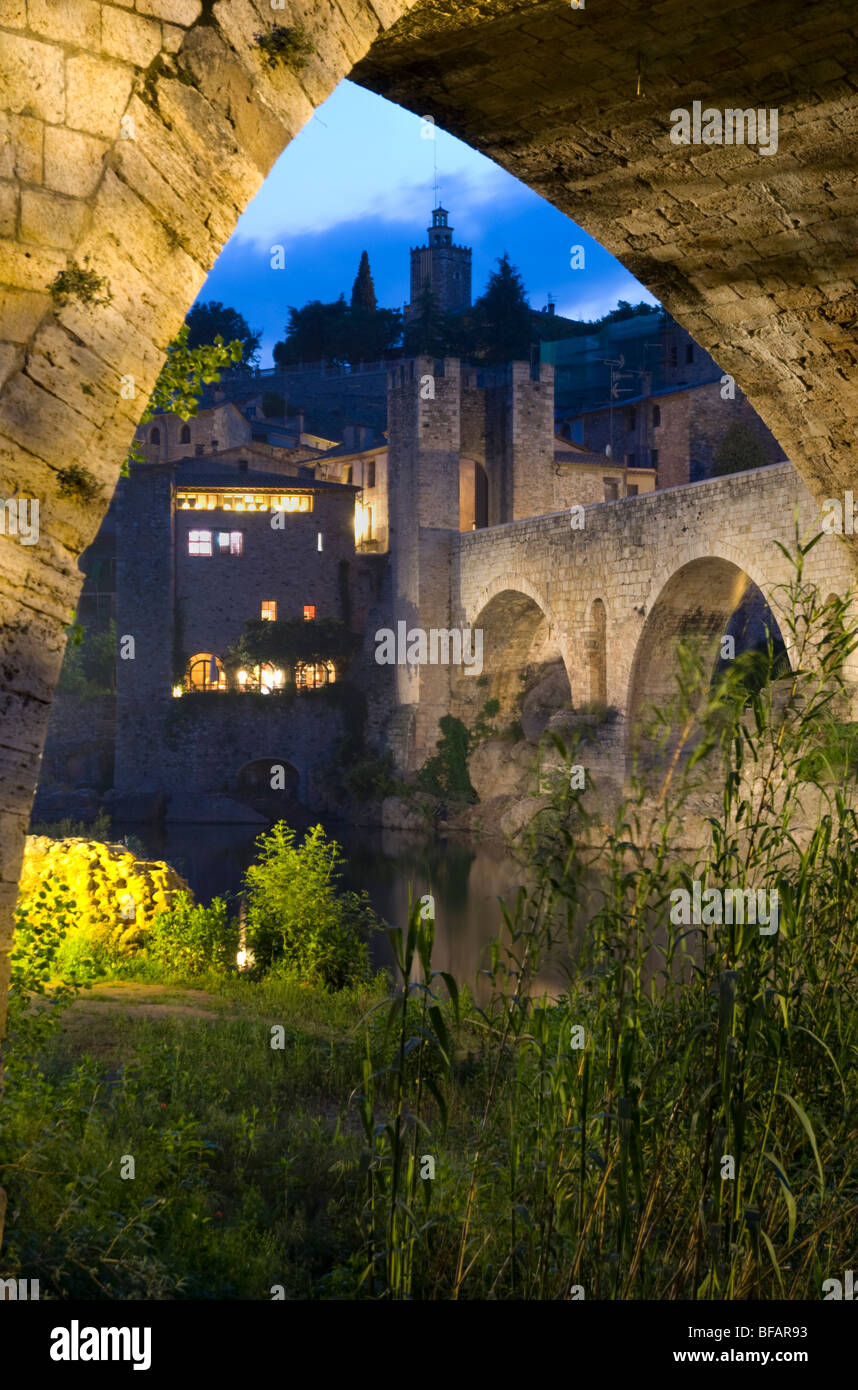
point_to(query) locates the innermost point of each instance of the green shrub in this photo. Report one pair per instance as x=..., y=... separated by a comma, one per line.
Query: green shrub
x=299, y=919
x=371, y=779
x=192, y=940
x=445, y=774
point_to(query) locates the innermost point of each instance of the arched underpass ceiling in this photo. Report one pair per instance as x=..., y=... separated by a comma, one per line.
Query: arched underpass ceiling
x=754, y=254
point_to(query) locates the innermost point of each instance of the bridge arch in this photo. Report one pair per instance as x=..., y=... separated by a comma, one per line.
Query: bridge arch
x=706, y=596
x=521, y=647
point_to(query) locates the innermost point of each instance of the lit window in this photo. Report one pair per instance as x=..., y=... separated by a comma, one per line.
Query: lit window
x=269, y=610
x=319, y=538
x=230, y=542
x=199, y=542
x=205, y=672
x=310, y=675
x=309, y=611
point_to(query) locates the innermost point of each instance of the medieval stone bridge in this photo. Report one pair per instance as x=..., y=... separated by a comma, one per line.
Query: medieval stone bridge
x=610, y=599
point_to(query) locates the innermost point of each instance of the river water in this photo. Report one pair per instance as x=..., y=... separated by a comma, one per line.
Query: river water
x=466, y=879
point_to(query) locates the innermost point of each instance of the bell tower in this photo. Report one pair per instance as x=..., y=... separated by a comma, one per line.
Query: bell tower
x=445, y=266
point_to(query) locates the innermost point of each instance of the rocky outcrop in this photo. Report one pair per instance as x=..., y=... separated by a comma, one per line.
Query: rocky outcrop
x=116, y=896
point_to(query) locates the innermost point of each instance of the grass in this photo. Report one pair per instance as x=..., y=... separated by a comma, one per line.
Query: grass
x=681, y=1123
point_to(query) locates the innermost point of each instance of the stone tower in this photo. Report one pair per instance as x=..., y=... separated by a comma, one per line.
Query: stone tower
x=445, y=266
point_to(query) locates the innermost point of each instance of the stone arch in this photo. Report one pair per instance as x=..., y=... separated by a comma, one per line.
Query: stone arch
x=520, y=647
x=151, y=137
x=699, y=598
x=253, y=780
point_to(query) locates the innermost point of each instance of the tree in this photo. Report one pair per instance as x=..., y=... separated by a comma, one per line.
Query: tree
x=363, y=289
x=428, y=333
x=315, y=333
x=740, y=449
x=210, y=320
x=502, y=317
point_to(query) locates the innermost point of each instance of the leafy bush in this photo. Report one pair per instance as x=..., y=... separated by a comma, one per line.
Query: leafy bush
x=371, y=779
x=192, y=940
x=298, y=917
x=445, y=774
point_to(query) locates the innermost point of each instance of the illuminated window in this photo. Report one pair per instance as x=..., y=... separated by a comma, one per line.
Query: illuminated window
x=319, y=540
x=309, y=675
x=199, y=542
x=205, y=672
x=230, y=542
x=309, y=611
x=269, y=610
x=234, y=501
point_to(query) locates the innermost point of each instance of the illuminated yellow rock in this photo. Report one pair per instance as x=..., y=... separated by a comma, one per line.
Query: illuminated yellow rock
x=116, y=896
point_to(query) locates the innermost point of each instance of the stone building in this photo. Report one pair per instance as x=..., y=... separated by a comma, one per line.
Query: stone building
x=203, y=547
x=644, y=394
x=442, y=266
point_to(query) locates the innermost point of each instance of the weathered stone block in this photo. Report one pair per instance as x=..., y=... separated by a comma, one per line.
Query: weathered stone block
x=20, y=312
x=130, y=37
x=60, y=21
x=8, y=212
x=73, y=161
x=51, y=220
x=176, y=11
x=31, y=78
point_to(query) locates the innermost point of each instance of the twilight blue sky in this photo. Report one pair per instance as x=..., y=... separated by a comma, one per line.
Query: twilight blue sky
x=359, y=176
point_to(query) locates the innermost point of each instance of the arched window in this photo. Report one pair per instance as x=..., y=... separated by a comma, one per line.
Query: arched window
x=310, y=675
x=185, y=434
x=205, y=672
x=155, y=436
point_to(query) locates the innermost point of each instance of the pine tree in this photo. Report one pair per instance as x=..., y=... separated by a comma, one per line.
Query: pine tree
x=502, y=317
x=363, y=289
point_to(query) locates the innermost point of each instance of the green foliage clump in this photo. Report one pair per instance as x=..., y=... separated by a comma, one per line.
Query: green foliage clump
x=285, y=46
x=285, y=642
x=192, y=940
x=78, y=483
x=213, y=322
x=739, y=450
x=89, y=664
x=184, y=373
x=81, y=284
x=299, y=919
x=371, y=779
x=445, y=773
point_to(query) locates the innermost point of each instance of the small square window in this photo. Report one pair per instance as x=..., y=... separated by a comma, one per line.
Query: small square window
x=269, y=610
x=199, y=542
x=631, y=489
x=309, y=612
x=200, y=450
